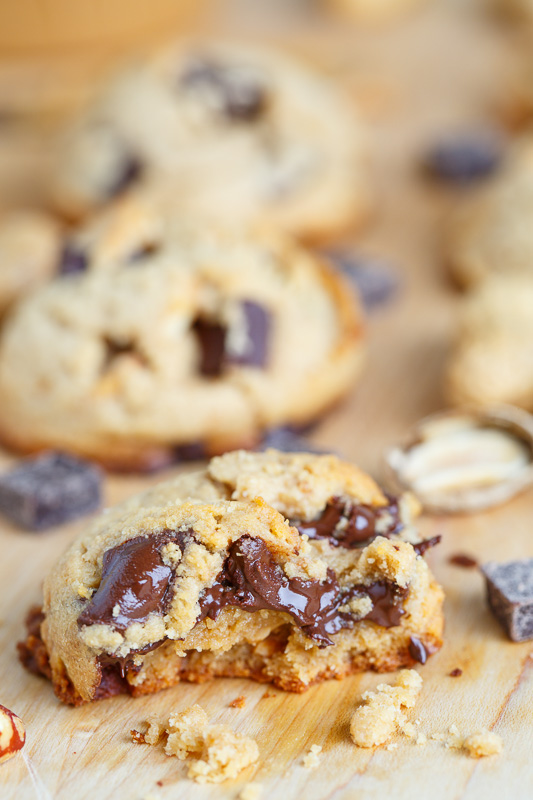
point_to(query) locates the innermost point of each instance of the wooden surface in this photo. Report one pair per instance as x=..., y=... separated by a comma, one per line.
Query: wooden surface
x=433, y=72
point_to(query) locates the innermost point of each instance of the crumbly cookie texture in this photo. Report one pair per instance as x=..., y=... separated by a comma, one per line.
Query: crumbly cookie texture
x=221, y=131
x=311, y=760
x=484, y=743
x=175, y=340
x=319, y=580
x=382, y=712
x=490, y=232
x=490, y=362
x=216, y=753
x=30, y=244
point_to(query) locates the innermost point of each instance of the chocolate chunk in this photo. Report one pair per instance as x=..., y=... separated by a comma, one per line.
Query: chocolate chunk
x=73, y=259
x=254, y=349
x=463, y=560
x=49, y=490
x=510, y=596
x=287, y=441
x=417, y=650
x=240, y=97
x=128, y=171
x=352, y=525
x=421, y=547
x=211, y=338
x=464, y=158
x=251, y=580
x=375, y=282
x=456, y=673
x=135, y=582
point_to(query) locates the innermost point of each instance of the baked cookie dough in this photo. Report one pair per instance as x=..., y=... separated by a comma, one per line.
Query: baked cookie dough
x=491, y=231
x=30, y=242
x=286, y=568
x=492, y=359
x=224, y=131
x=163, y=342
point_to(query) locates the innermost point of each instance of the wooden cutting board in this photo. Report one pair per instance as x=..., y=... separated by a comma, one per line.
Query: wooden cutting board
x=415, y=80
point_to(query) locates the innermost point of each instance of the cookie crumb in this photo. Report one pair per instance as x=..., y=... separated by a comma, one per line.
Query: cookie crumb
x=216, y=752
x=311, y=759
x=484, y=743
x=392, y=746
x=137, y=737
x=456, y=673
x=238, y=702
x=421, y=740
x=267, y=695
x=382, y=711
x=252, y=791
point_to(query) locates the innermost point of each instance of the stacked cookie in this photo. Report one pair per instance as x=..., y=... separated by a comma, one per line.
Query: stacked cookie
x=285, y=568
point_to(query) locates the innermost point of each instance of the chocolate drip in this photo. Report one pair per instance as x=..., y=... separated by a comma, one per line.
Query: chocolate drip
x=351, y=525
x=421, y=547
x=251, y=580
x=239, y=97
x=124, y=664
x=135, y=582
x=212, y=340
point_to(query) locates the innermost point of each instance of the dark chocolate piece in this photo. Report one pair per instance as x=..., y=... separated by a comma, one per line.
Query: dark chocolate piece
x=238, y=96
x=510, y=596
x=73, y=259
x=212, y=340
x=255, y=349
x=49, y=490
x=417, y=650
x=351, y=525
x=375, y=282
x=129, y=170
x=464, y=158
x=463, y=560
x=456, y=673
x=421, y=547
x=135, y=582
x=251, y=580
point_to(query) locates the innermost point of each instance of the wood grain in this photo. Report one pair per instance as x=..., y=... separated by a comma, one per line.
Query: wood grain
x=430, y=73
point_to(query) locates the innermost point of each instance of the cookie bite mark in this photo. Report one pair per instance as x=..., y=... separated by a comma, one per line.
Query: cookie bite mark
x=351, y=525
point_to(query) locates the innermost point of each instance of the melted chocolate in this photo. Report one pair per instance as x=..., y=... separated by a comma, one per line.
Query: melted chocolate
x=417, y=650
x=251, y=580
x=358, y=523
x=456, y=673
x=135, y=582
x=421, y=547
x=239, y=97
x=212, y=341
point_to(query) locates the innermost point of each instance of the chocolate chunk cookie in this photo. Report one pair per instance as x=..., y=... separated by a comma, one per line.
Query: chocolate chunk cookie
x=160, y=340
x=213, y=574
x=222, y=131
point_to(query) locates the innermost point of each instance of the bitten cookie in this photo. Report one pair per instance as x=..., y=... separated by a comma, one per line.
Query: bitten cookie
x=222, y=131
x=287, y=568
x=492, y=359
x=491, y=232
x=162, y=342
x=30, y=242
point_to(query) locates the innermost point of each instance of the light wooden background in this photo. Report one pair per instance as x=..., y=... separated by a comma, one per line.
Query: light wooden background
x=437, y=70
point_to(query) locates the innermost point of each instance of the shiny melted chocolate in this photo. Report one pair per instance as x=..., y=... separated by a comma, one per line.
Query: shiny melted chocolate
x=351, y=525
x=251, y=580
x=135, y=582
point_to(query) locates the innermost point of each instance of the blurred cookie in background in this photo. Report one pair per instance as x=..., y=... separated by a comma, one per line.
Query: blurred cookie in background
x=30, y=243
x=224, y=131
x=491, y=231
x=492, y=361
x=372, y=10
x=178, y=344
